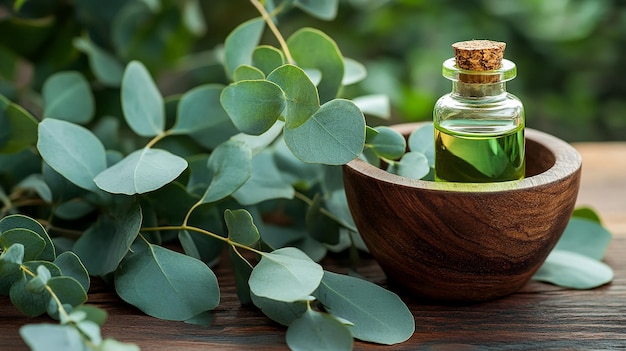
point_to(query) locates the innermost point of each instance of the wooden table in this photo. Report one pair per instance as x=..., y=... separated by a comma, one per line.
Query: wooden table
x=540, y=316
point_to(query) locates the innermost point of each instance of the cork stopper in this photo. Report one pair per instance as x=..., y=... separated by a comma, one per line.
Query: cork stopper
x=478, y=55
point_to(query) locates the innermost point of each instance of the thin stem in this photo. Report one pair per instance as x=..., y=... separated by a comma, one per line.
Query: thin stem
x=243, y=258
x=196, y=205
x=325, y=212
x=268, y=19
x=158, y=138
x=205, y=232
x=52, y=294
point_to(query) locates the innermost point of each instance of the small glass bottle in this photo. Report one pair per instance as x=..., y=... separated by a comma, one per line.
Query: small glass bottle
x=479, y=127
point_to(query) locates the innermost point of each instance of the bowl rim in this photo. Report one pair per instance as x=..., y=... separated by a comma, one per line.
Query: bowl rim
x=567, y=162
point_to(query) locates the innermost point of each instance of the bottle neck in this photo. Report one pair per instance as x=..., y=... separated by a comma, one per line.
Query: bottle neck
x=478, y=90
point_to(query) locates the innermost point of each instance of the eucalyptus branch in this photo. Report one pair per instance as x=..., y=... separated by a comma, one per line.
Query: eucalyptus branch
x=204, y=232
x=268, y=19
x=62, y=311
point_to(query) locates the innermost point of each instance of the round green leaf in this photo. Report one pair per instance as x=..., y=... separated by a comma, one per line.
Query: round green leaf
x=166, y=284
x=312, y=49
x=375, y=105
x=422, y=140
x=20, y=221
x=300, y=94
x=68, y=290
x=241, y=228
x=267, y=58
x=72, y=151
x=387, y=143
x=67, y=96
x=106, y=67
x=247, y=72
x=18, y=128
x=286, y=274
x=318, y=331
x=587, y=213
x=586, y=237
x=334, y=135
x=45, y=337
x=412, y=165
x=240, y=44
x=322, y=9
x=573, y=270
x=30, y=303
x=354, y=71
x=200, y=108
x=33, y=243
x=253, y=105
x=71, y=266
x=140, y=172
x=142, y=102
x=378, y=315
x=230, y=167
x=11, y=259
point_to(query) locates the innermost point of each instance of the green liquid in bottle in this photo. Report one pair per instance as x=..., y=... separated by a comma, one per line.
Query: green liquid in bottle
x=479, y=151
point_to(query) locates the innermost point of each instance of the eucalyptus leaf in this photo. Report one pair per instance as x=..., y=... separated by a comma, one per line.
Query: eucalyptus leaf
x=267, y=58
x=142, y=102
x=140, y=172
x=199, y=109
x=281, y=312
x=166, y=284
x=318, y=331
x=354, y=71
x=71, y=266
x=422, y=140
x=378, y=315
x=36, y=182
x=412, y=165
x=106, y=67
x=573, y=270
x=247, y=72
x=102, y=246
x=312, y=49
x=286, y=275
x=300, y=94
x=258, y=143
x=45, y=337
x=189, y=246
x=33, y=243
x=241, y=228
x=30, y=303
x=72, y=151
x=375, y=105
x=253, y=105
x=265, y=182
x=11, y=259
x=68, y=290
x=334, y=135
x=586, y=237
x=387, y=143
x=18, y=128
x=230, y=166
x=322, y=9
x=20, y=221
x=240, y=44
x=67, y=96
x=587, y=213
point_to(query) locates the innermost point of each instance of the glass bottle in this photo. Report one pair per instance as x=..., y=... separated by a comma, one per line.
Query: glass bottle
x=479, y=127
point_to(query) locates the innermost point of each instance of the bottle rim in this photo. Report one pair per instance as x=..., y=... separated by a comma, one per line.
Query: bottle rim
x=506, y=72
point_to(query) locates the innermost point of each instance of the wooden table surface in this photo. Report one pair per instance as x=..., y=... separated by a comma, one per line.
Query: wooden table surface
x=538, y=317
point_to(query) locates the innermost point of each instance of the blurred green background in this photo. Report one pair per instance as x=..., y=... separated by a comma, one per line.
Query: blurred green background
x=569, y=52
x=569, y=55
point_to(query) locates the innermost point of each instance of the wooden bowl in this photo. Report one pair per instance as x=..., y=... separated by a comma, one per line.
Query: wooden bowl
x=453, y=242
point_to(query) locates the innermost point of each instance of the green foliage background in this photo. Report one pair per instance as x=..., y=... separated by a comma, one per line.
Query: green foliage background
x=569, y=55
x=569, y=52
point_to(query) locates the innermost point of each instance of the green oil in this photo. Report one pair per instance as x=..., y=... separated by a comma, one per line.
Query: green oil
x=479, y=151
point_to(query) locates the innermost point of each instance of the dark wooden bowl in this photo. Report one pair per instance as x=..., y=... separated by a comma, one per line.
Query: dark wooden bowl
x=454, y=242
